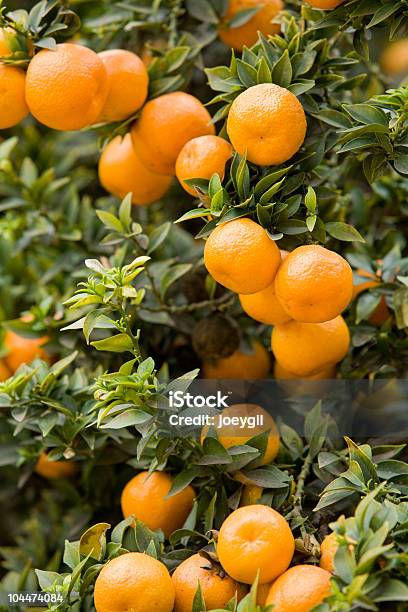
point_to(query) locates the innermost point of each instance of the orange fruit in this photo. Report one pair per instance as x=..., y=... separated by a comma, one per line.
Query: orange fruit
x=53, y=470
x=5, y=50
x=251, y=494
x=165, y=125
x=240, y=365
x=328, y=549
x=145, y=497
x=4, y=372
x=299, y=589
x=262, y=593
x=281, y=374
x=66, y=88
x=325, y=4
x=255, y=539
x=122, y=172
x=128, y=84
x=308, y=348
x=232, y=434
x=13, y=106
x=314, y=284
x=381, y=313
x=217, y=588
x=201, y=158
x=264, y=306
x=241, y=256
x=267, y=123
x=23, y=350
x=394, y=58
x=134, y=581
x=304, y=385
x=247, y=34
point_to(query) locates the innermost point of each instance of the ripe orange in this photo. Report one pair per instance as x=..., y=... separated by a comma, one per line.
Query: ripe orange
x=4, y=371
x=314, y=284
x=325, y=4
x=53, y=470
x=296, y=386
x=262, y=593
x=13, y=106
x=217, y=588
x=299, y=589
x=66, y=88
x=5, y=50
x=281, y=374
x=264, y=306
x=255, y=538
x=328, y=549
x=231, y=434
x=394, y=59
x=381, y=313
x=121, y=172
x=268, y=123
x=201, y=158
x=240, y=365
x=241, y=256
x=247, y=34
x=165, y=125
x=23, y=350
x=251, y=494
x=134, y=581
x=145, y=497
x=128, y=83
x=308, y=348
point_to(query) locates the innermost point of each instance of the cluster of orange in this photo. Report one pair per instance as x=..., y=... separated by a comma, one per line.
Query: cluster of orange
x=301, y=294
x=254, y=541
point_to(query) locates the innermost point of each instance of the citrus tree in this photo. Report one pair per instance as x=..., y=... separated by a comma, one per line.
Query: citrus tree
x=203, y=191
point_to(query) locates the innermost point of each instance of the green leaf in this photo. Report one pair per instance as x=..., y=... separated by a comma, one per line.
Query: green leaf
x=196, y=213
x=401, y=163
x=264, y=183
x=183, y=479
x=93, y=541
x=242, y=17
x=382, y=13
x=128, y=418
x=247, y=73
x=334, y=118
x=343, y=231
x=400, y=301
x=282, y=71
x=264, y=74
x=311, y=200
x=110, y=221
x=366, y=305
x=125, y=211
x=202, y=10
x=115, y=344
x=293, y=227
x=198, y=601
x=158, y=236
x=367, y=114
x=266, y=197
x=172, y=275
